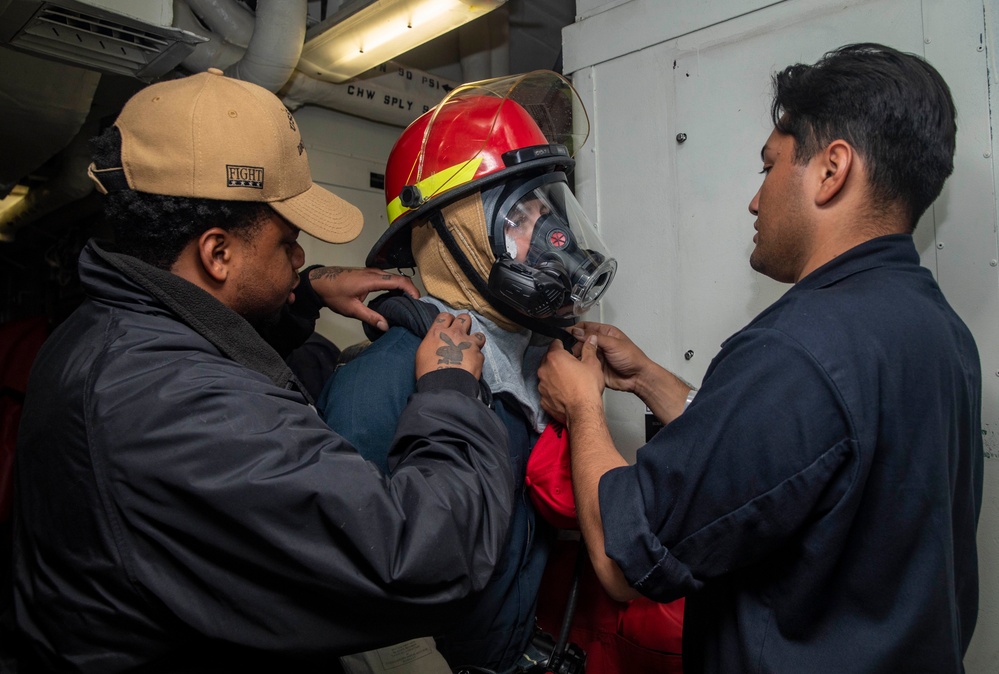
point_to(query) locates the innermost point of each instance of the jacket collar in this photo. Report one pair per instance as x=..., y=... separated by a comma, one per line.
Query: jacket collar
x=220, y=325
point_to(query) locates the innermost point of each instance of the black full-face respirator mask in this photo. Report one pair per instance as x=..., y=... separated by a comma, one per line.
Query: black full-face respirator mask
x=549, y=260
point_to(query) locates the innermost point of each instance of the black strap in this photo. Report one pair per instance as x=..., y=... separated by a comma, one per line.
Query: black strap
x=563, y=657
x=559, y=653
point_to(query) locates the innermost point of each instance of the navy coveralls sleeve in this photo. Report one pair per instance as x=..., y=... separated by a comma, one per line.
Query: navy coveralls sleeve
x=817, y=502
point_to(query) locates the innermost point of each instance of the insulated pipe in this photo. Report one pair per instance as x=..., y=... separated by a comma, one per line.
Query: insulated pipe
x=218, y=52
x=50, y=110
x=397, y=96
x=273, y=43
x=276, y=45
x=225, y=17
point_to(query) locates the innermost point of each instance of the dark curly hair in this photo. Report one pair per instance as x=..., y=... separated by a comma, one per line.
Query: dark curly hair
x=894, y=108
x=155, y=227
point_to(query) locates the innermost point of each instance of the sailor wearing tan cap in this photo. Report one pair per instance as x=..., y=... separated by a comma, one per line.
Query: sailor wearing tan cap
x=181, y=506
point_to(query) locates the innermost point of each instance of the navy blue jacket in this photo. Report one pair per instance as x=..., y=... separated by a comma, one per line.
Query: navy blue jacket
x=818, y=500
x=362, y=402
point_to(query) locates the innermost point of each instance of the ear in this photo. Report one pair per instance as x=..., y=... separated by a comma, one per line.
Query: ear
x=835, y=163
x=215, y=251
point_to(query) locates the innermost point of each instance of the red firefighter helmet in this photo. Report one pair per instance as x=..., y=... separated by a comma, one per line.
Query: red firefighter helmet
x=480, y=134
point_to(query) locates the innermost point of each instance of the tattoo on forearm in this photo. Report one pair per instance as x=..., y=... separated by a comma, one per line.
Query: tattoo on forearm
x=451, y=354
x=326, y=272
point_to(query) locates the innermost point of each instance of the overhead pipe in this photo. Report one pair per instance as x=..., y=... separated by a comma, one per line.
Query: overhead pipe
x=232, y=19
x=268, y=59
x=391, y=93
x=266, y=53
x=272, y=49
x=218, y=52
x=53, y=105
x=276, y=44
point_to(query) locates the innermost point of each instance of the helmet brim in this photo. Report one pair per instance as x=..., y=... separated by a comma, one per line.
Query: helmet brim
x=393, y=250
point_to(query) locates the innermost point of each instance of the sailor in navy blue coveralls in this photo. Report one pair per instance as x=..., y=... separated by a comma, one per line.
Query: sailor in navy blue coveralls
x=817, y=500
x=827, y=412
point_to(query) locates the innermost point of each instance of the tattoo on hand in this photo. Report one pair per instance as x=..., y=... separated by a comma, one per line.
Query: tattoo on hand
x=326, y=272
x=452, y=353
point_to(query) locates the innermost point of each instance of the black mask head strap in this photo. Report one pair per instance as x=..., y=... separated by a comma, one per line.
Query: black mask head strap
x=437, y=220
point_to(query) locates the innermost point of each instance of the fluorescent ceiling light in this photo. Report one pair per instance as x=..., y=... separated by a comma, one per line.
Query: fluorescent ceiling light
x=15, y=199
x=363, y=35
x=16, y=196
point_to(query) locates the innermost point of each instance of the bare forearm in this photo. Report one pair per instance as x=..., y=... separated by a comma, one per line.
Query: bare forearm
x=593, y=454
x=663, y=392
x=627, y=368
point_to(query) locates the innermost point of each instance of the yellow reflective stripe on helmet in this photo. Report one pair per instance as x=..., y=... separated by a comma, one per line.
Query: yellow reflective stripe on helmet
x=431, y=186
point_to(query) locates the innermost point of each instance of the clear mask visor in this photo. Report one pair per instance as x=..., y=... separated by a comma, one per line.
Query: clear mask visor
x=547, y=230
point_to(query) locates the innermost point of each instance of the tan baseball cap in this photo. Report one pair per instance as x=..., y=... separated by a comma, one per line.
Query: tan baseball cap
x=214, y=137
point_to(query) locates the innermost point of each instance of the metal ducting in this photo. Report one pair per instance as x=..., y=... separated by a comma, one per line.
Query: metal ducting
x=262, y=48
x=391, y=94
x=91, y=37
x=54, y=53
x=44, y=104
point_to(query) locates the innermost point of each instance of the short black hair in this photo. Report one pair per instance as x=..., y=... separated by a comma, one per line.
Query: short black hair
x=155, y=228
x=894, y=108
